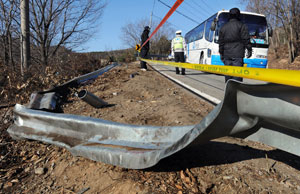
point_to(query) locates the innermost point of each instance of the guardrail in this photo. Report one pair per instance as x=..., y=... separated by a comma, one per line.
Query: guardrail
x=267, y=113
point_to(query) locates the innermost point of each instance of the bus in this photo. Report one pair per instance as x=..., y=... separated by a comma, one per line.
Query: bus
x=202, y=41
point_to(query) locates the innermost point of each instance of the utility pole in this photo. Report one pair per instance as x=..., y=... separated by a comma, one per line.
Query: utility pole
x=25, y=41
x=150, y=25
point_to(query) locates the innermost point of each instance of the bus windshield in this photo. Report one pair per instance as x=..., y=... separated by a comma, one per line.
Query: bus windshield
x=257, y=27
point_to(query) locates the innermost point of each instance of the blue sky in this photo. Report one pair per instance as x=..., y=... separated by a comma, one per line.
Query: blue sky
x=121, y=12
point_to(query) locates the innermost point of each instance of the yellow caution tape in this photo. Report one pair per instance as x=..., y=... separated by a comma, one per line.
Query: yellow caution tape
x=279, y=76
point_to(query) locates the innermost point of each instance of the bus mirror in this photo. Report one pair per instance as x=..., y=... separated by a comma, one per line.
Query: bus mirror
x=213, y=26
x=270, y=32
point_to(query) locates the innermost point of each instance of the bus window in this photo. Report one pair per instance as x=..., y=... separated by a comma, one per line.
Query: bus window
x=258, y=32
x=208, y=33
x=200, y=31
x=257, y=27
x=195, y=34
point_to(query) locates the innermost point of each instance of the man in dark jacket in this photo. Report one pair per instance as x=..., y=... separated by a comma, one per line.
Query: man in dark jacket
x=145, y=48
x=233, y=40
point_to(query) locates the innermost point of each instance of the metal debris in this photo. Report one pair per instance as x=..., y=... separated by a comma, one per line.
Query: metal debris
x=91, y=99
x=260, y=112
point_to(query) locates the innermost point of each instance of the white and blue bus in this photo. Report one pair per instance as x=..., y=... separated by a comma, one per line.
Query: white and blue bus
x=202, y=41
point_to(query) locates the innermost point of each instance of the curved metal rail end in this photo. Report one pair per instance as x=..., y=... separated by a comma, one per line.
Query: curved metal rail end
x=91, y=99
x=267, y=113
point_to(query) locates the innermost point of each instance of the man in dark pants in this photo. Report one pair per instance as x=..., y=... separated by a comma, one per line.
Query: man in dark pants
x=233, y=40
x=145, y=48
x=178, y=47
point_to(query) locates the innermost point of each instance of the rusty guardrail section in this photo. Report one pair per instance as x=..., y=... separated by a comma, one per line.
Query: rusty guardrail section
x=267, y=113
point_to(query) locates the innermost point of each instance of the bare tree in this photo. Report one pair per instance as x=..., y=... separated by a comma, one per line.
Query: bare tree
x=67, y=23
x=131, y=35
x=25, y=36
x=283, y=15
x=8, y=26
x=284, y=11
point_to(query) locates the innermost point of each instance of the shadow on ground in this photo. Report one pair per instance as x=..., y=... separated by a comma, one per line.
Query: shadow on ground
x=218, y=153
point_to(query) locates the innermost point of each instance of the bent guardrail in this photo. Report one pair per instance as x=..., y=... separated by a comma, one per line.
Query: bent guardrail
x=91, y=99
x=51, y=99
x=253, y=111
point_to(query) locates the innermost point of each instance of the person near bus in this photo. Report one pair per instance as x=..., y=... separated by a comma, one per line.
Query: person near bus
x=234, y=39
x=178, y=48
x=145, y=48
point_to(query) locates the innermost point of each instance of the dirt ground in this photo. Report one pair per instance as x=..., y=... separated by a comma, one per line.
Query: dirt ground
x=225, y=165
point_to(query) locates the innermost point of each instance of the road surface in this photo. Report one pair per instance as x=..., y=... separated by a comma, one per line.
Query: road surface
x=209, y=86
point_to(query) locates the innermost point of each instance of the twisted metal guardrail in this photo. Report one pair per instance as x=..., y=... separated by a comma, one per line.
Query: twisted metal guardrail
x=268, y=113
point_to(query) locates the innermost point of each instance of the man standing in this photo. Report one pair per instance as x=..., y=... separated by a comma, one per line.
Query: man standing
x=233, y=40
x=178, y=48
x=145, y=48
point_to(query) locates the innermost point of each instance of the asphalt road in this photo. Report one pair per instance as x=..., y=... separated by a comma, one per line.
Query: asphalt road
x=209, y=86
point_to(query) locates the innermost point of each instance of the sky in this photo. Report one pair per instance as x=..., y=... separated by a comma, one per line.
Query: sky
x=118, y=13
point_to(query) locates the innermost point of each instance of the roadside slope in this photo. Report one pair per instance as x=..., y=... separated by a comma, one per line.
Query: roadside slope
x=226, y=165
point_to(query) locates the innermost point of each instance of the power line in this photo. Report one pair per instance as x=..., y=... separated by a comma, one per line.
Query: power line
x=153, y=5
x=193, y=9
x=208, y=5
x=179, y=12
x=166, y=21
x=202, y=9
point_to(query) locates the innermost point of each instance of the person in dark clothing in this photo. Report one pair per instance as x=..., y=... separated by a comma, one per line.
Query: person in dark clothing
x=145, y=48
x=234, y=39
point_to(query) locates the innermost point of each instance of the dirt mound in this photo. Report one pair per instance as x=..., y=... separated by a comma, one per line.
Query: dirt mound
x=226, y=165
x=143, y=98
x=283, y=61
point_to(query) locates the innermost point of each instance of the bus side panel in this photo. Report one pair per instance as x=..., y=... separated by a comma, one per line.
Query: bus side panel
x=253, y=62
x=257, y=63
x=216, y=60
x=258, y=59
x=187, y=52
x=193, y=51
